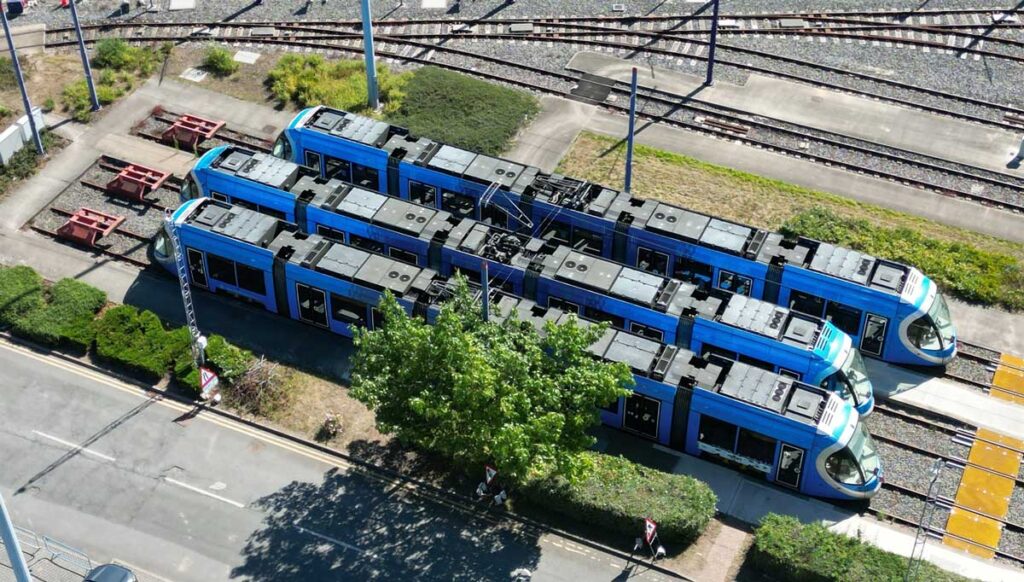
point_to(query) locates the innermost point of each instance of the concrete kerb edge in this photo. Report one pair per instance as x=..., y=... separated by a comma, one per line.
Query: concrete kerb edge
x=452, y=497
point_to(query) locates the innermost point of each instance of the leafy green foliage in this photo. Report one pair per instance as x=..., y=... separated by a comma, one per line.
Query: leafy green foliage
x=66, y=319
x=787, y=550
x=136, y=340
x=116, y=54
x=5, y=111
x=463, y=111
x=476, y=391
x=25, y=161
x=308, y=80
x=218, y=60
x=617, y=494
x=959, y=268
x=228, y=361
x=117, y=65
x=21, y=292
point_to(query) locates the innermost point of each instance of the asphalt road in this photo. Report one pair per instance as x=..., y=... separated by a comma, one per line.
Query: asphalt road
x=98, y=465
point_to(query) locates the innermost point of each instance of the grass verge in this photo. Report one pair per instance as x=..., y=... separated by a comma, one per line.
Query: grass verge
x=117, y=67
x=970, y=265
x=308, y=80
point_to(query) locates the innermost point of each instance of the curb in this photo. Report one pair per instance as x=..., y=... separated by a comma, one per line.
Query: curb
x=462, y=501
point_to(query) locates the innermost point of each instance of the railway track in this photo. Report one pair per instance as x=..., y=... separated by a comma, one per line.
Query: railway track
x=162, y=118
x=142, y=240
x=915, y=170
x=961, y=436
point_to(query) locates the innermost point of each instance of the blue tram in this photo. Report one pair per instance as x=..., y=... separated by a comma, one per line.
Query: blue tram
x=891, y=310
x=792, y=434
x=704, y=320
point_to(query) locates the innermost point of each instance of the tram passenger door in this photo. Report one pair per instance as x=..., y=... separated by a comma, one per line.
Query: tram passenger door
x=873, y=341
x=196, y=268
x=791, y=462
x=641, y=415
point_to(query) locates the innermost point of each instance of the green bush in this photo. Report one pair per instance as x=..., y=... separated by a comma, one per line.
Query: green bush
x=307, y=80
x=961, y=269
x=66, y=319
x=76, y=101
x=230, y=362
x=8, y=79
x=136, y=340
x=617, y=494
x=5, y=111
x=787, y=550
x=115, y=53
x=21, y=292
x=463, y=111
x=218, y=60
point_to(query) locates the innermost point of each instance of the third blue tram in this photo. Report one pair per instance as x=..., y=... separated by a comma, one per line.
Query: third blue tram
x=701, y=319
x=789, y=433
x=892, y=311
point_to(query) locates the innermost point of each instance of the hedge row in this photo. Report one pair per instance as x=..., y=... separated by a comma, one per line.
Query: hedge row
x=617, y=494
x=788, y=550
x=962, y=269
x=64, y=316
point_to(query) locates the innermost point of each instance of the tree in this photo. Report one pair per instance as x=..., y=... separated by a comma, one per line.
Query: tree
x=496, y=391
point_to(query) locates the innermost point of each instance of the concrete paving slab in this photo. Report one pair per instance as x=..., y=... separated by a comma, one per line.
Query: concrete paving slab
x=247, y=57
x=545, y=141
x=951, y=211
x=989, y=326
x=945, y=397
x=828, y=110
x=147, y=153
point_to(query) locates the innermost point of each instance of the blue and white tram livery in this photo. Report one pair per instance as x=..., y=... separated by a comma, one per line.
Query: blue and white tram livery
x=704, y=320
x=891, y=310
x=789, y=433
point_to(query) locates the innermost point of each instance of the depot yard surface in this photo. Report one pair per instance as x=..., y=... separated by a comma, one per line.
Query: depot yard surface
x=991, y=272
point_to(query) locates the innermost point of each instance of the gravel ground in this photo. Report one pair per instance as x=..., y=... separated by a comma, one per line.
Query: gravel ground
x=971, y=370
x=1012, y=542
x=978, y=351
x=912, y=470
x=887, y=425
x=898, y=504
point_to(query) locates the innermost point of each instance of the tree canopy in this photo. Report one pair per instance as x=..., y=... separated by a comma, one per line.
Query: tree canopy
x=495, y=391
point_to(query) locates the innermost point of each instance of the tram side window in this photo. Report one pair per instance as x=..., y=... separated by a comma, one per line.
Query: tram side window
x=595, y=314
x=377, y=318
x=757, y=363
x=331, y=233
x=404, y=256
x=738, y=284
x=612, y=407
x=843, y=317
x=807, y=303
x=312, y=304
x=336, y=168
x=566, y=306
x=271, y=212
x=312, y=160
x=365, y=176
x=557, y=233
x=694, y=271
x=585, y=241
x=221, y=269
x=652, y=261
x=366, y=244
x=347, y=311
x=421, y=193
x=494, y=215
x=646, y=331
x=218, y=196
x=459, y=205
x=756, y=446
x=251, y=280
x=717, y=433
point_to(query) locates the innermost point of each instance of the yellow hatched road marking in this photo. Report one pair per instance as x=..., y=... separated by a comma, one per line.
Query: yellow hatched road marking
x=1010, y=379
x=1012, y=361
x=985, y=492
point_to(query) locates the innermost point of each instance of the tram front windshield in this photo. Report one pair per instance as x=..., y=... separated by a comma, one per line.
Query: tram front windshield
x=856, y=463
x=934, y=330
x=282, y=148
x=940, y=317
x=854, y=376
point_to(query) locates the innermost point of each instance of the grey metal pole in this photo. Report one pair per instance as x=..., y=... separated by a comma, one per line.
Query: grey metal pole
x=371, y=67
x=10, y=538
x=485, y=282
x=629, y=138
x=85, y=57
x=21, y=83
x=710, y=79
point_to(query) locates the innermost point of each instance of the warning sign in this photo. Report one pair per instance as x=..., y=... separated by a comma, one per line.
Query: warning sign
x=489, y=474
x=650, y=528
x=207, y=381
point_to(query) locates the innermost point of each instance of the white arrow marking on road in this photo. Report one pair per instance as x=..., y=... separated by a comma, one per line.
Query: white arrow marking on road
x=204, y=492
x=74, y=447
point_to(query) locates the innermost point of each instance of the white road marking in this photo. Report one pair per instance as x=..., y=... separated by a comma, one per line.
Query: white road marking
x=205, y=492
x=335, y=541
x=74, y=447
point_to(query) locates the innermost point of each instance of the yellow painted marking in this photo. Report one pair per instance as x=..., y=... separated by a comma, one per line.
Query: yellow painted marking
x=1010, y=379
x=1012, y=361
x=973, y=527
x=985, y=492
x=1008, y=396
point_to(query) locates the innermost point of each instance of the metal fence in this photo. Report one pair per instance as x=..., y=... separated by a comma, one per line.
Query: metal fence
x=48, y=560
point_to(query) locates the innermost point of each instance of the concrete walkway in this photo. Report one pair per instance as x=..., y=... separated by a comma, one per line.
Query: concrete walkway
x=828, y=110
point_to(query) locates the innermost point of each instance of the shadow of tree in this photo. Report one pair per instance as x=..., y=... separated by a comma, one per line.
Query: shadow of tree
x=355, y=526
